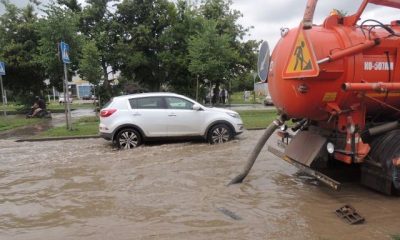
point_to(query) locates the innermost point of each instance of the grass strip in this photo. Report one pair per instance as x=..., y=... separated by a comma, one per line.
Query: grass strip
x=82, y=127
x=8, y=123
x=257, y=118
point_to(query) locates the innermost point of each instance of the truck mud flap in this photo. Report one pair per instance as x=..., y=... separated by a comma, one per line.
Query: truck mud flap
x=305, y=147
x=318, y=175
x=372, y=176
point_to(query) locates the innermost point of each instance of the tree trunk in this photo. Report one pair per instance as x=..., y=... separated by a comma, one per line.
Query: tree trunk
x=106, y=83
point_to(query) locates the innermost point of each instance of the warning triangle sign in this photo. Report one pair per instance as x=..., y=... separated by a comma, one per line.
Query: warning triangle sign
x=302, y=62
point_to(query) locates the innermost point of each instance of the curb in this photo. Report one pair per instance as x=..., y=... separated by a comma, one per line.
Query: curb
x=55, y=138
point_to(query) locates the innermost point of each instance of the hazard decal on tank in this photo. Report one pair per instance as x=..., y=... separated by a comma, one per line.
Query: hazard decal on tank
x=302, y=62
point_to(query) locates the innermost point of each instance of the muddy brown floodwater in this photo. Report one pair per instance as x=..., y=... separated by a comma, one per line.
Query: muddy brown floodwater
x=84, y=189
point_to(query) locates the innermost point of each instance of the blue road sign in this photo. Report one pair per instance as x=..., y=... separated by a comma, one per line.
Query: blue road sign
x=65, y=52
x=2, y=68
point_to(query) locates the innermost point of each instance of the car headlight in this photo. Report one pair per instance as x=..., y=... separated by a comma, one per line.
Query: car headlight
x=234, y=115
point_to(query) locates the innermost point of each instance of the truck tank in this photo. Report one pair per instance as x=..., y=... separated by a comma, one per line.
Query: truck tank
x=339, y=82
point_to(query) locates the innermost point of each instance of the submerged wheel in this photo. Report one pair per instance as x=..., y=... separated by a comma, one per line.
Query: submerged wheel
x=385, y=150
x=128, y=138
x=219, y=133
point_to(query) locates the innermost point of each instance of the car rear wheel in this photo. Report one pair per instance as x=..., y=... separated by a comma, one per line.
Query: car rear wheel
x=128, y=138
x=219, y=133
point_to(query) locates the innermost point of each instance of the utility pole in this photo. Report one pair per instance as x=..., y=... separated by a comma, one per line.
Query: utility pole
x=3, y=94
x=66, y=99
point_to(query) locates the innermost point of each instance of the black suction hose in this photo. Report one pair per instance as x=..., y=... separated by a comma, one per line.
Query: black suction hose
x=257, y=149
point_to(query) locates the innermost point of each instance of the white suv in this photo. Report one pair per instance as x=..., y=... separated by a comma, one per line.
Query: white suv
x=131, y=119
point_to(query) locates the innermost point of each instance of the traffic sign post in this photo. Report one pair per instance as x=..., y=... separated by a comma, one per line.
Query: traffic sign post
x=64, y=49
x=3, y=95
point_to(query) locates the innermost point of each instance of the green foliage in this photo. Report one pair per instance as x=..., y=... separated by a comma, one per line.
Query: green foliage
x=60, y=24
x=99, y=27
x=143, y=26
x=155, y=44
x=226, y=24
x=19, y=46
x=245, y=82
x=73, y=5
x=175, y=58
x=210, y=53
x=90, y=69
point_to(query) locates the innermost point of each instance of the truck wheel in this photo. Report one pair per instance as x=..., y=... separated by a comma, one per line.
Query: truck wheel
x=385, y=150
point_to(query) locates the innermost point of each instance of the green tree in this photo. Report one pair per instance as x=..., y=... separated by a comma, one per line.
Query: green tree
x=89, y=67
x=98, y=25
x=210, y=53
x=72, y=5
x=59, y=24
x=226, y=24
x=143, y=26
x=19, y=41
x=175, y=58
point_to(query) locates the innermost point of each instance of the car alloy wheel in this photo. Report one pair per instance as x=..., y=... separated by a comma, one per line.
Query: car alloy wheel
x=128, y=139
x=219, y=134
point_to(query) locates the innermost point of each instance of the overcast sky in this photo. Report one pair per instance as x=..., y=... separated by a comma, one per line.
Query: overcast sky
x=268, y=16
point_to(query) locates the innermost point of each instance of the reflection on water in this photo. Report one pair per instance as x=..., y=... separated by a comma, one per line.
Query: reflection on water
x=85, y=189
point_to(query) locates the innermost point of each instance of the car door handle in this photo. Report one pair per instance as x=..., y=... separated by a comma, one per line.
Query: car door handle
x=136, y=114
x=172, y=115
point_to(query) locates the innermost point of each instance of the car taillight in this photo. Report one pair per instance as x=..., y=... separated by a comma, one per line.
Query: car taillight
x=107, y=112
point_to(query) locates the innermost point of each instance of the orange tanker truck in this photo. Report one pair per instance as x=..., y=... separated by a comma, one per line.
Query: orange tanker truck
x=339, y=83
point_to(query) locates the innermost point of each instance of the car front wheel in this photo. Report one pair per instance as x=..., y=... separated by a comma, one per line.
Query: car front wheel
x=219, y=133
x=128, y=138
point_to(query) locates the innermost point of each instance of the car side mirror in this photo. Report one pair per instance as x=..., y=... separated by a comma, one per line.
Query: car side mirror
x=196, y=107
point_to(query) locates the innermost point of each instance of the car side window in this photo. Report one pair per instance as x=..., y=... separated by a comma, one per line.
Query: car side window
x=147, y=103
x=178, y=103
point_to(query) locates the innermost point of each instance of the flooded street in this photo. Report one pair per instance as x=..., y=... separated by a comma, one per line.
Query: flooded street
x=85, y=189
